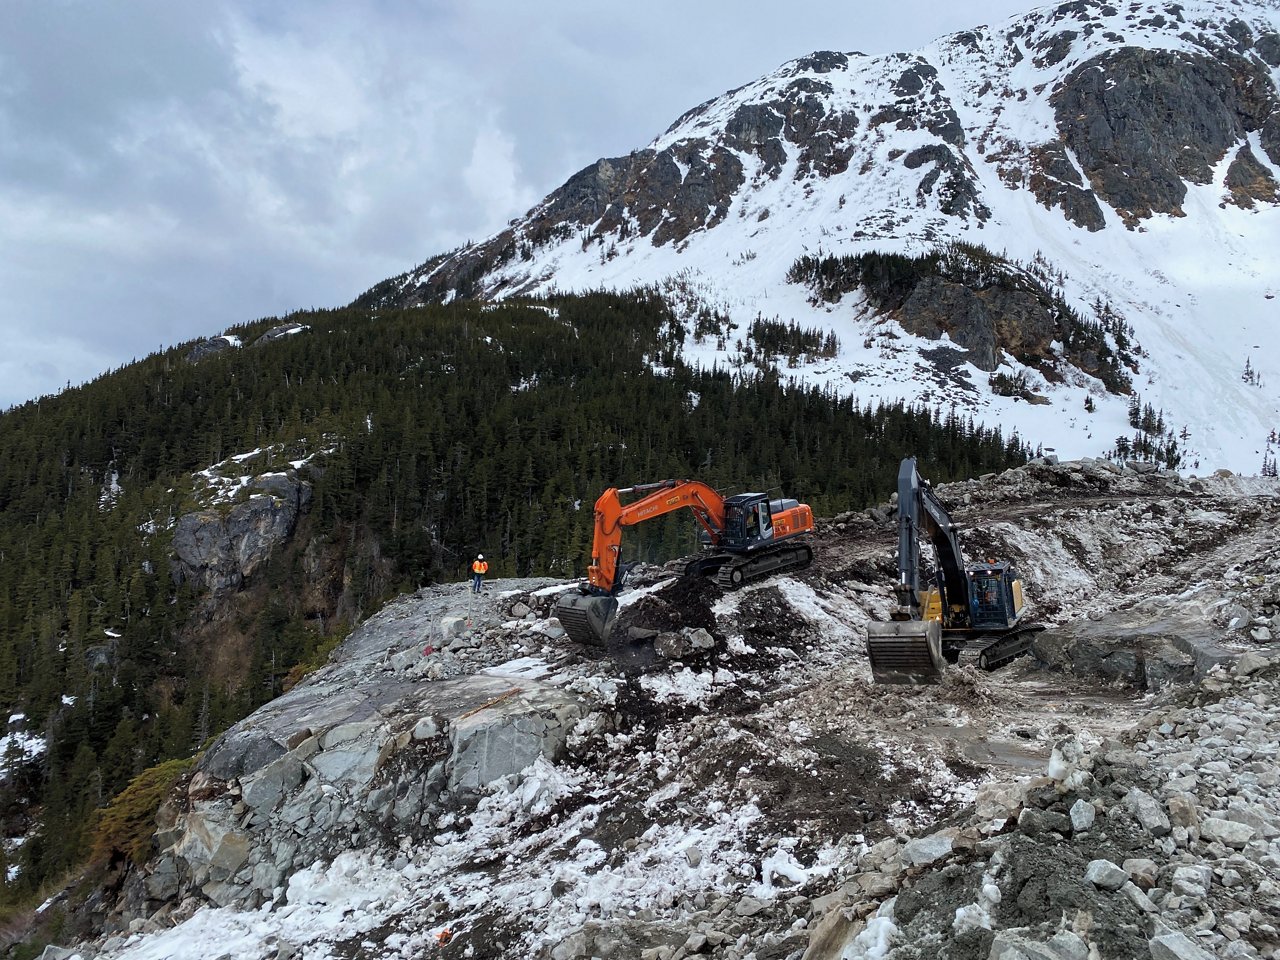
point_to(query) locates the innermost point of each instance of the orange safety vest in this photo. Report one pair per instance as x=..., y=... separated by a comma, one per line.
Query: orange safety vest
x=480, y=566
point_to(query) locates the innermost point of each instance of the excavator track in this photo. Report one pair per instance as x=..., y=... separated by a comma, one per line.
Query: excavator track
x=739, y=570
x=988, y=652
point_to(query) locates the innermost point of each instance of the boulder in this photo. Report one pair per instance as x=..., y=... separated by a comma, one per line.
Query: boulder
x=269, y=784
x=1191, y=881
x=1105, y=875
x=1168, y=667
x=1148, y=811
x=1251, y=662
x=832, y=933
x=1176, y=946
x=1242, y=812
x=1033, y=821
x=240, y=751
x=1139, y=899
x=452, y=627
x=1018, y=944
x=672, y=646
x=996, y=800
x=1183, y=811
x=1070, y=763
x=700, y=639
x=1142, y=871
x=1227, y=832
x=922, y=851
x=162, y=882
x=1082, y=815
x=213, y=843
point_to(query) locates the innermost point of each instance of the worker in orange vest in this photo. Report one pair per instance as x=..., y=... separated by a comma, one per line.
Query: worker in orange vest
x=478, y=569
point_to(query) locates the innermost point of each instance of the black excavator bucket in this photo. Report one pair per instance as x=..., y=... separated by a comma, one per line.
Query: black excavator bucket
x=906, y=651
x=587, y=619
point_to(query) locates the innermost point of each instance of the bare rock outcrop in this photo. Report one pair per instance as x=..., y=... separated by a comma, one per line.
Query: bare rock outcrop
x=370, y=748
x=1144, y=123
x=220, y=551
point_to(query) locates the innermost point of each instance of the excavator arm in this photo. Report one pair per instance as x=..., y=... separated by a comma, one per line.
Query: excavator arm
x=920, y=511
x=611, y=516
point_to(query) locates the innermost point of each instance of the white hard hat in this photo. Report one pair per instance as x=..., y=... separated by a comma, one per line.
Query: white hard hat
x=479, y=556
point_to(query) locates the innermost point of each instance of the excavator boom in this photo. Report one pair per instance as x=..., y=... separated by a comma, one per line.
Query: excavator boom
x=659, y=499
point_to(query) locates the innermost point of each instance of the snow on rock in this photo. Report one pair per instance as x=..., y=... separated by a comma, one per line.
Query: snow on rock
x=975, y=138
x=762, y=796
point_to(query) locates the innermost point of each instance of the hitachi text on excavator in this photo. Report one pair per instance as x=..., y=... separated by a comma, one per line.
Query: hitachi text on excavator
x=961, y=612
x=746, y=537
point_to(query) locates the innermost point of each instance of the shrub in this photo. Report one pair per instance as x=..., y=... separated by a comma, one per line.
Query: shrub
x=128, y=822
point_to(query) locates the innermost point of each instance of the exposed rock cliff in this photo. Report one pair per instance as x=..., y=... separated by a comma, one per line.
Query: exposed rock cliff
x=1145, y=123
x=220, y=550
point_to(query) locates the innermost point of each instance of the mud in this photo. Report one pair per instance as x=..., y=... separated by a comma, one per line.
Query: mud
x=1043, y=883
x=938, y=894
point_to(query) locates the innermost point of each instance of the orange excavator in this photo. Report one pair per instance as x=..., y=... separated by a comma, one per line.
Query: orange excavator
x=745, y=537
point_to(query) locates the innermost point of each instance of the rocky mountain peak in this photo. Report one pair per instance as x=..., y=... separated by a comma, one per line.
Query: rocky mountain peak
x=1112, y=141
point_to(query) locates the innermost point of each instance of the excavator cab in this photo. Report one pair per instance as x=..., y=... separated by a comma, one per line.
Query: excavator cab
x=748, y=521
x=995, y=596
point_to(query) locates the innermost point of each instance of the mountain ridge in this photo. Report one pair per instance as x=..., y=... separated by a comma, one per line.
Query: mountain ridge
x=1129, y=147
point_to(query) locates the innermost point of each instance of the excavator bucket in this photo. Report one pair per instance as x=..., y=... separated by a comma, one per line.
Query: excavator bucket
x=587, y=619
x=906, y=651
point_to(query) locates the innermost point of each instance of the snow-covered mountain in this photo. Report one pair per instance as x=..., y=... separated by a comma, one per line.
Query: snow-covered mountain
x=1121, y=159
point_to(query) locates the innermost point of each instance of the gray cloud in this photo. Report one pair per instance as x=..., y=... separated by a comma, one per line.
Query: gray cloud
x=167, y=170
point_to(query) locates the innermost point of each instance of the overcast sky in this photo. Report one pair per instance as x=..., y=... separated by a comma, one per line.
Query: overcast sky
x=168, y=169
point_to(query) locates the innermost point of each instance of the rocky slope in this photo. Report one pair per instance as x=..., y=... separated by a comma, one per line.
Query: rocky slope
x=1108, y=150
x=461, y=780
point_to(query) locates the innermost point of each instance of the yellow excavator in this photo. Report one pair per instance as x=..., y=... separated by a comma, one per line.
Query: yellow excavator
x=746, y=537
x=959, y=613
